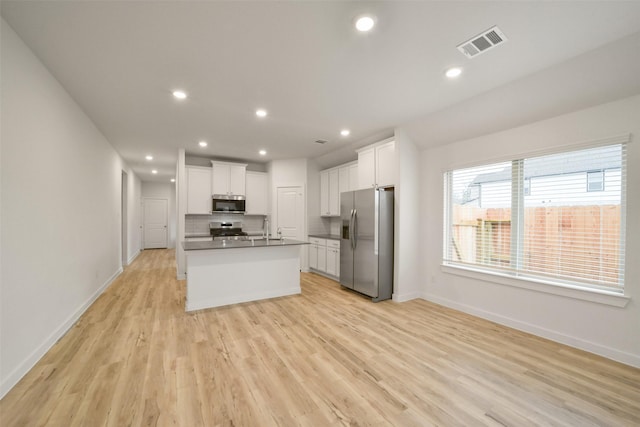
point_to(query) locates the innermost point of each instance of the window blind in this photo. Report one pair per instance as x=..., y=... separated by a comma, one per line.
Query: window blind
x=557, y=217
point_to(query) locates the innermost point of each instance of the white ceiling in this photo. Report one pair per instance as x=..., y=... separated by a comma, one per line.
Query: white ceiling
x=306, y=65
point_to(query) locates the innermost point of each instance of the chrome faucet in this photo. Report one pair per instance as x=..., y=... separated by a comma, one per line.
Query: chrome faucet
x=265, y=227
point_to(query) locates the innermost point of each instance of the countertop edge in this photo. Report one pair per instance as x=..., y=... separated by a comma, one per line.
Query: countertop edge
x=326, y=236
x=216, y=245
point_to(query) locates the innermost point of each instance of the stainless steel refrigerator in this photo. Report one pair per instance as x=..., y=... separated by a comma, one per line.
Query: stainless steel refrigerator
x=366, y=245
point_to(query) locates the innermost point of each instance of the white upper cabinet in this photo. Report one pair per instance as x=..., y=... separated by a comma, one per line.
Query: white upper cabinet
x=367, y=168
x=334, y=193
x=348, y=177
x=377, y=165
x=343, y=179
x=333, y=182
x=228, y=178
x=324, y=193
x=237, y=179
x=220, y=179
x=198, y=190
x=257, y=191
x=386, y=164
x=329, y=196
x=353, y=176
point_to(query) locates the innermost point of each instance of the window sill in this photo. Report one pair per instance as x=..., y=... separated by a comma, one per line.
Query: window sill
x=593, y=295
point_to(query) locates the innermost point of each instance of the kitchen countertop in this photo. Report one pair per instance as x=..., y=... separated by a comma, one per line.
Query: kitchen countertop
x=326, y=236
x=234, y=244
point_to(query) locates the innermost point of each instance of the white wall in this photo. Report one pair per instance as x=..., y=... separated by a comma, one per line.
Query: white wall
x=407, y=284
x=134, y=215
x=181, y=210
x=61, y=208
x=167, y=191
x=604, y=329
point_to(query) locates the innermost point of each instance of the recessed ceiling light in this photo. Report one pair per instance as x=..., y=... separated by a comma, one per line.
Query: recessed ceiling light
x=179, y=94
x=453, y=72
x=261, y=113
x=202, y=144
x=149, y=157
x=345, y=132
x=154, y=171
x=365, y=23
x=173, y=180
x=263, y=152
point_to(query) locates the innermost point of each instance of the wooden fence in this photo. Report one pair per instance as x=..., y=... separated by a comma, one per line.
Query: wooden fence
x=579, y=241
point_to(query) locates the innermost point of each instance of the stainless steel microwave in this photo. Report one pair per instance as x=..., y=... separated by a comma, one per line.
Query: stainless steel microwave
x=228, y=203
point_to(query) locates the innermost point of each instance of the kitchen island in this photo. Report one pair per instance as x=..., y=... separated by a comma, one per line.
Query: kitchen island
x=223, y=272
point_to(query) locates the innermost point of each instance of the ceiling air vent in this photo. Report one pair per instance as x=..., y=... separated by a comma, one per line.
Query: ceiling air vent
x=482, y=42
x=321, y=141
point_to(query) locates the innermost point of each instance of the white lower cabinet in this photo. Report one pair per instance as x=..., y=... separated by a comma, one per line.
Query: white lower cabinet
x=324, y=256
x=333, y=258
x=313, y=255
x=317, y=254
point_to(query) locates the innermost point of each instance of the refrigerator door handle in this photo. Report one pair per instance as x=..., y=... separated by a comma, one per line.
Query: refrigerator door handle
x=355, y=228
x=375, y=221
x=351, y=230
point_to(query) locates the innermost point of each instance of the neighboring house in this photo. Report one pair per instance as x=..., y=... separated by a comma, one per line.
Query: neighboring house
x=590, y=181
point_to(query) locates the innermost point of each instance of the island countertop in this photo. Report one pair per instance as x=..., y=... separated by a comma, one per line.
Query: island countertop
x=235, y=244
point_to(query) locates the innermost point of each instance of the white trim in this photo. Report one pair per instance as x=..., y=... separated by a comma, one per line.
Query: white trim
x=549, y=287
x=608, y=352
x=624, y=138
x=133, y=257
x=26, y=365
x=407, y=297
x=375, y=144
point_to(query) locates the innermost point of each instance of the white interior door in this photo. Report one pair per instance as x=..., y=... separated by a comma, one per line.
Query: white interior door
x=291, y=212
x=155, y=223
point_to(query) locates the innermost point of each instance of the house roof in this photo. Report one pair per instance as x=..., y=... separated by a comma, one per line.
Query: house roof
x=601, y=158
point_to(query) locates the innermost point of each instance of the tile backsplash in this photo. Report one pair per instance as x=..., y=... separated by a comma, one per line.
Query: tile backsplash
x=199, y=224
x=317, y=225
x=324, y=225
x=335, y=226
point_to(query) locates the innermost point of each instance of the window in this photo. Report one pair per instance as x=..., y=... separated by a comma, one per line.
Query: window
x=595, y=180
x=545, y=218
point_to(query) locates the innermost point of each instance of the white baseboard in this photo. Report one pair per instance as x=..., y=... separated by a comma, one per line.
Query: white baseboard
x=407, y=297
x=601, y=350
x=134, y=256
x=23, y=368
x=219, y=302
x=182, y=276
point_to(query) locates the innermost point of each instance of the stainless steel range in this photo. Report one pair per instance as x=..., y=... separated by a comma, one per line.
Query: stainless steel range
x=227, y=230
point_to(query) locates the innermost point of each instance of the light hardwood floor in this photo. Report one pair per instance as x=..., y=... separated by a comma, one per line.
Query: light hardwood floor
x=326, y=357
